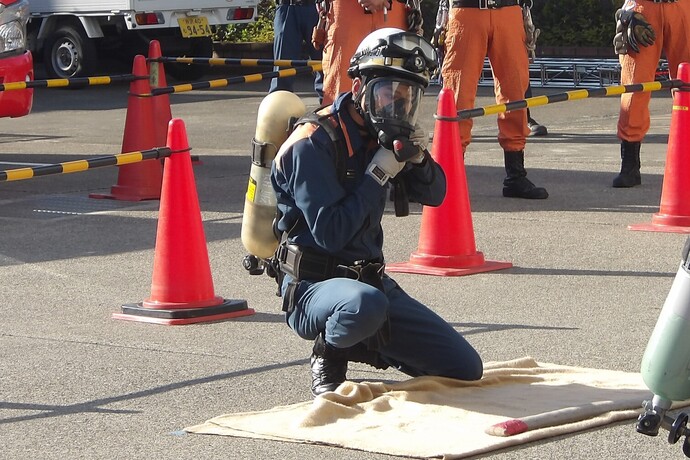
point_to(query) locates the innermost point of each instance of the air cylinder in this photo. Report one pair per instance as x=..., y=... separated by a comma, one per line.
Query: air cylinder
x=666, y=361
x=277, y=112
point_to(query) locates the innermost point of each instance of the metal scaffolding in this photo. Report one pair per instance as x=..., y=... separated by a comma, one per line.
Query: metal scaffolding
x=573, y=72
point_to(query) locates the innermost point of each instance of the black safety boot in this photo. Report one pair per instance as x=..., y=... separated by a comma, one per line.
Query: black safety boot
x=516, y=184
x=630, y=165
x=328, y=367
x=536, y=129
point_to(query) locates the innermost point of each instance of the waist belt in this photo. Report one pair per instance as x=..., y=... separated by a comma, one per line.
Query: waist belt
x=295, y=2
x=664, y=1
x=484, y=4
x=303, y=264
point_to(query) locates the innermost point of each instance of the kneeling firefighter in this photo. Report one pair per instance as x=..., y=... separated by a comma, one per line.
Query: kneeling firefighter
x=330, y=178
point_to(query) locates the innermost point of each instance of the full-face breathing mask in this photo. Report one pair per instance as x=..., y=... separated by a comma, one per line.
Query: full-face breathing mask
x=394, y=66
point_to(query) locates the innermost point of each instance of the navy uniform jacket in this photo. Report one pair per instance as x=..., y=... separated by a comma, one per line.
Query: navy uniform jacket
x=342, y=219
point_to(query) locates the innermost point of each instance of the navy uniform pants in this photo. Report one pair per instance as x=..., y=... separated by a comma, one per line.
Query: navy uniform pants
x=349, y=312
x=293, y=25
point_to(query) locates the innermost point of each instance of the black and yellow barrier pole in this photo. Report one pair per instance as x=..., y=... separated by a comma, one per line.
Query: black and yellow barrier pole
x=241, y=79
x=236, y=61
x=83, y=165
x=78, y=82
x=615, y=90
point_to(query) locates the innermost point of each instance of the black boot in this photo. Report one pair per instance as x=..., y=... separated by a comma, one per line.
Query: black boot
x=328, y=367
x=630, y=165
x=516, y=184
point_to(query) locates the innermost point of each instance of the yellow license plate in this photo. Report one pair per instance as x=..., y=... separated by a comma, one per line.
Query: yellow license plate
x=196, y=26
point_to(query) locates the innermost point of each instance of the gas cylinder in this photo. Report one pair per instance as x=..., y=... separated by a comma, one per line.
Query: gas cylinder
x=666, y=361
x=277, y=111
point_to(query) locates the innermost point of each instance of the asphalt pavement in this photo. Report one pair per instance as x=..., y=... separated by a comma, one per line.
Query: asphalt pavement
x=76, y=383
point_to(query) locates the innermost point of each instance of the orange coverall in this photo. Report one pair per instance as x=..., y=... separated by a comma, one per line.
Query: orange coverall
x=473, y=34
x=348, y=25
x=671, y=24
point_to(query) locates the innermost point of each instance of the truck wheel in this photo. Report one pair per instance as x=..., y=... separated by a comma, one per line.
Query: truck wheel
x=199, y=47
x=68, y=53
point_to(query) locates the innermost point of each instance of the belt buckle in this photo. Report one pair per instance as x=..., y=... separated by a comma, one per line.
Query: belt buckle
x=488, y=4
x=354, y=272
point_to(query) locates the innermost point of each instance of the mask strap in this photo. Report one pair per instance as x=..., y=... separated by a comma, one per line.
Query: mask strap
x=357, y=100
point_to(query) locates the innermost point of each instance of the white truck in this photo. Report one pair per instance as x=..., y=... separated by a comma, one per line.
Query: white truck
x=70, y=35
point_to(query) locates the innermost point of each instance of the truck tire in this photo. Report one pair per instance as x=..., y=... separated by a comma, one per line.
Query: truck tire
x=198, y=47
x=68, y=53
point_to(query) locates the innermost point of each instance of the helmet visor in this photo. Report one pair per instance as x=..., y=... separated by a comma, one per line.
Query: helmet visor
x=411, y=44
x=394, y=100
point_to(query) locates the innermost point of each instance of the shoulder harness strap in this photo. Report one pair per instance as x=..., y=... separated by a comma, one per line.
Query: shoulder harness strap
x=305, y=127
x=327, y=120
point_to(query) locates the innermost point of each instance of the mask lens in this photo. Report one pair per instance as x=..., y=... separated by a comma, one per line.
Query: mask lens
x=395, y=100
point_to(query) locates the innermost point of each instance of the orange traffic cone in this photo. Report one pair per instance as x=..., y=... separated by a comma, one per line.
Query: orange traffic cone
x=162, y=113
x=182, y=286
x=674, y=211
x=142, y=180
x=446, y=240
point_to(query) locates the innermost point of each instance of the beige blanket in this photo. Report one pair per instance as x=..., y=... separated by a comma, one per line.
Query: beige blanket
x=515, y=402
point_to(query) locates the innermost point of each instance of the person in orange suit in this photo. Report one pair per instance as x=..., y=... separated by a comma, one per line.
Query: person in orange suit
x=645, y=28
x=493, y=28
x=349, y=21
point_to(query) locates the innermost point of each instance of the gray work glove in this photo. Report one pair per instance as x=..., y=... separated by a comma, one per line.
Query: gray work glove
x=420, y=138
x=384, y=165
x=531, y=32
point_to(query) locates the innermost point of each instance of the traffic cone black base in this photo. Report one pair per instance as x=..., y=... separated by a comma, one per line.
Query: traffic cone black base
x=227, y=309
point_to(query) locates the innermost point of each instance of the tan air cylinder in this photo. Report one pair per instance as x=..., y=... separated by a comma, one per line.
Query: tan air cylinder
x=273, y=121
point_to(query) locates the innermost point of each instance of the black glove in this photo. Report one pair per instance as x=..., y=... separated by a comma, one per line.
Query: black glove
x=635, y=29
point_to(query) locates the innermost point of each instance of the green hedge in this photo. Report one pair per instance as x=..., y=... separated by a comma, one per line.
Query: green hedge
x=575, y=22
x=562, y=22
x=259, y=31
